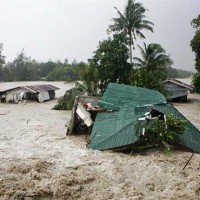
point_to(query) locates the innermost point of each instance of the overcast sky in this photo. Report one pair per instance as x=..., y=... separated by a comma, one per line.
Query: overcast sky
x=72, y=29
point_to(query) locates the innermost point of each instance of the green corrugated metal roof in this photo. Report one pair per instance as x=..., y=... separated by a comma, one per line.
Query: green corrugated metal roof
x=118, y=95
x=191, y=137
x=122, y=127
x=115, y=129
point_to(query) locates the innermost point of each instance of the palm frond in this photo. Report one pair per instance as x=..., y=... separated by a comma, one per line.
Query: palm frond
x=153, y=56
x=120, y=14
x=140, y=34
x=146, y=22
x=131, y=22
x=143, y=51
x=139, y=60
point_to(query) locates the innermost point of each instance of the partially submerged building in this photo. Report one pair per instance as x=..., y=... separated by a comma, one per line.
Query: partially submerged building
x=124, y=123
x=83, y=114
x=177, y=89
x=38, y=93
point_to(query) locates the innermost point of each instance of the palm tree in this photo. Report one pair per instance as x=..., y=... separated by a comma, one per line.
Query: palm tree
x=153, y=57
x=132, y=22
x=152, y=71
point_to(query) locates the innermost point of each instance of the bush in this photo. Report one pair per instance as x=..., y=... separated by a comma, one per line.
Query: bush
x=196, y=82
x=66, y=102
x=161, y=133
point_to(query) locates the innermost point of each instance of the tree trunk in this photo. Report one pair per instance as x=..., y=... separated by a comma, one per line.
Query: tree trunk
x=130, y=49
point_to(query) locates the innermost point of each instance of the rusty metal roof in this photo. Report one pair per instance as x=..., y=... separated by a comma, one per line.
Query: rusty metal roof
x=40, y=88
x=35, y=88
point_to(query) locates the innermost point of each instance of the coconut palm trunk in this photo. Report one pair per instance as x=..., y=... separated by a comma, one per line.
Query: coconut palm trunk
x=130, y=48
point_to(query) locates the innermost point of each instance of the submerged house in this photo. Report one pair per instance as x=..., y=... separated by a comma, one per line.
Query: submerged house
x=125, y=122
x=177, y=89
x=83, y=114
x=38, y=93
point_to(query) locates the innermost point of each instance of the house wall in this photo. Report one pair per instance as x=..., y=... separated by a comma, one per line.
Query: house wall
x=14, y=95
x=176, y=90
x=43, y=96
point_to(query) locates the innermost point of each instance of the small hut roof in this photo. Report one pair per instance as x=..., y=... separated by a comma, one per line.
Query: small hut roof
x=177, y=82
x=34, y=88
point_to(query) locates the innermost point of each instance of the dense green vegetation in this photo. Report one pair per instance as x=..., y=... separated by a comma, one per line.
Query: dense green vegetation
x=195, y=44
x=66, y=102
x=23, y=68
x=160, y=136
x=177, y=73
x=152, y=67
x=110, y=61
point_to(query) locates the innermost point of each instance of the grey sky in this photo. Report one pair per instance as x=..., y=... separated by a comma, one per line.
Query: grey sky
x=59, y=29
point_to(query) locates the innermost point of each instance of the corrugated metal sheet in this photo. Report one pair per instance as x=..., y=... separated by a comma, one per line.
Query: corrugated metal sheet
x=118, y=95
x=179, y=83
x=116, y=129
x=191, y=137
x=122, y=127
x=40, y=88
x=35, y=88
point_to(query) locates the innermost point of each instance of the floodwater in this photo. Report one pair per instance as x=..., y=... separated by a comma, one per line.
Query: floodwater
x=38, y=160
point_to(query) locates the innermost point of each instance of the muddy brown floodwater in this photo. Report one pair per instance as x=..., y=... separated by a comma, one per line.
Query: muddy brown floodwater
x=38, y=161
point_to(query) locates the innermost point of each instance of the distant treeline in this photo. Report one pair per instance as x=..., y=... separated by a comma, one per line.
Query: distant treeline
x=178, y=73
x=24, y=68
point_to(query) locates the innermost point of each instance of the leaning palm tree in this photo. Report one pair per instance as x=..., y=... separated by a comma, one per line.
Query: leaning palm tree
x=153, y=57
x=132, y=22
